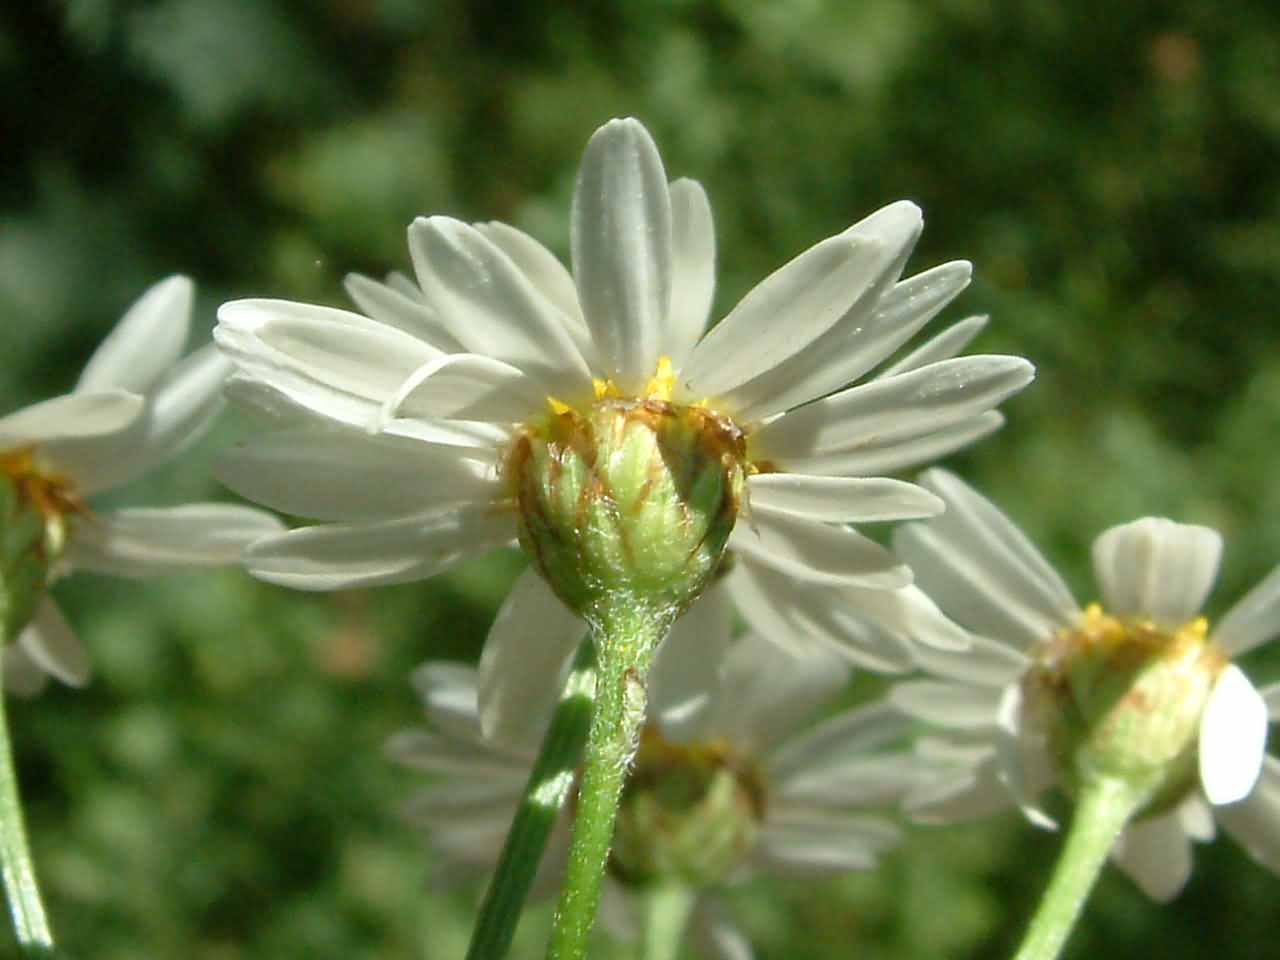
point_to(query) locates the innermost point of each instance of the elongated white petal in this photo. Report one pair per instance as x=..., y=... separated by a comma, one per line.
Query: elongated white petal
x=765, y=692
x=1026, y=766
x=146, y=541
x=817, y=552
x=341, y=350
x=1196, y=818
x=523, y=662
x=1156, y=568
x=855, y=733
x=693, y=269
x=543, y=269
x=491, y=307
x=72, y=416
x=796, y=304
x=986, y=663
x=872, y=329
x=1255, y=821
x=339, y=556
x=481, y=439
x=953, y=705
x=1271, y=697
x=448, y=692
x=1253, y=620
x=466, y=386
x=982, y=570
x=849, y=781
x=717, y=937
x=178, y=412
x=146, y=341
x=898, y=453
x=1233, y=738
x=804, y=840
x=52, y=645
x=944, y=346
x=441, y=753
x=687, y=666
x=404, y=310
x=968, y=791
x=932, y=397
x=1156, y=854
x=329, y=474
x=621, y=245
x=852, y=499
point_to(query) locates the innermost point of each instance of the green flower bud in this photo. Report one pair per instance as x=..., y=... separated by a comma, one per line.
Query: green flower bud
x=34, y=505
x=1123, y=699
x=631, y=501
x=689, y=814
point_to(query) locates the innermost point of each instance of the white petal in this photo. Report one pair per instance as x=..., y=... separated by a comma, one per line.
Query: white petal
x=466, y=386
x=930, y=398
x=340, y=556
x=1156, y=854
x=842, y=498
x=522, y=666
x=51, y=644
x=796, y=839
x=1196, y=818
x=448, y=692
x=621, y=243
x=857, y=733
x=1156, y=568
x=1255, y=821
x=899, y=453
x=985, y=663
x=22, y=676
x=1022, y=750
x=817, y=552
x=72, y=416
x=328, y=474
x=982, y=570
x=490, y=307
x=146, y=341
x=944, y=346
x=400, y=309
x=1233, y=738
x=540, y=265
x=338, y=349
x=481, y=440
x=717, y=937
x=795, y=305
x=872, y=329
x=693, y=268
x=687, y=666
x=145, y=541
x=765, y=693
x=952, y=705
x=961, y=792
x=1254, y=620
x=444, y=754
x=854, y=781
x=178, y=412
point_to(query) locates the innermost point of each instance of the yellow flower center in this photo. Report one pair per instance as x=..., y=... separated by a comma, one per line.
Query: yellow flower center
x=35, y=484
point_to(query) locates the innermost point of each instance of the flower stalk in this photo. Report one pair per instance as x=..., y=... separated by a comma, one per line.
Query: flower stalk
x=549, y=786
x=626, y=635
x=667, y=909
x=1103, y=806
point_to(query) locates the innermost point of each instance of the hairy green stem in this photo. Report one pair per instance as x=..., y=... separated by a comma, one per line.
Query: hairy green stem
x=1103, y=807
x=625, y=639
x=29, y=921
x=549, y=785
x=667, y=909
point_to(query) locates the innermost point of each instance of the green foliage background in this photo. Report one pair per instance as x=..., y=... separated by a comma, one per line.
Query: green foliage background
x=1112, y=170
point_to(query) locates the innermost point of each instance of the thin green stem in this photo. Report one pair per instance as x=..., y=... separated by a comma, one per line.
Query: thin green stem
x=625, y=644
x=549, y=785
x=1103, y=807
x=29, y=920
x=667, y=909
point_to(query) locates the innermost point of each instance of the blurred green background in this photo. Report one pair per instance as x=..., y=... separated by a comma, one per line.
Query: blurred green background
x=1112, y=170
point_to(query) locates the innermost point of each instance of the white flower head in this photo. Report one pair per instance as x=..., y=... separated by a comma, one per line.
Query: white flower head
x=771, y=797
x=1153, y=576
x=403, y=418
x=136, y=406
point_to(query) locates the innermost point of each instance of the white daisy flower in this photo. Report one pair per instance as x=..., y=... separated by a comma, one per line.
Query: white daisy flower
x=1038, y=657
x=406, y=420
x=759, y=796
x=136, y=406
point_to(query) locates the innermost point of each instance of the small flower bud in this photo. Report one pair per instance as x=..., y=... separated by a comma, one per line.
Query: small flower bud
x=631, y=498
x=1123, y=699
x=688, y=814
